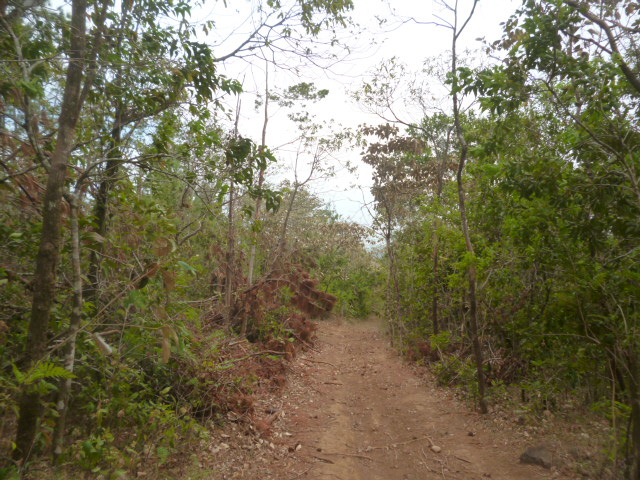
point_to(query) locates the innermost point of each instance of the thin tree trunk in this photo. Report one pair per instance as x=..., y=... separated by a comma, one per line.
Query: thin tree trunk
x=101, y=209
x=114, y=160
x=389, y=289
x=393, y=286
x=231, y=240
x=282, y=242
x=231, y=235
x=62, y=404
x=435, y=301
x=256, y=216
x=44, y=282
x=471, y=269
x=435, y=321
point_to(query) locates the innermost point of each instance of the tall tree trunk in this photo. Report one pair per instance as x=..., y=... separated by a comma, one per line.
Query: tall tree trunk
x=256, y=215
x=393, y=285
x=62, y=404
x=114, y=160
x=435, y=300
x=297, y=185
x=44, y=282
x=282, y=242
x=230, y=269
x=101, y=208
x=435, y=321
x=389, y=289
x=471, y=269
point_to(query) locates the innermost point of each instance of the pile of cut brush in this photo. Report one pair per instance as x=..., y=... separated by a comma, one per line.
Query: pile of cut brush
x=276, y=313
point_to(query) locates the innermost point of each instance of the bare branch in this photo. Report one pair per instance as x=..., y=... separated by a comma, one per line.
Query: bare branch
x=617, y=57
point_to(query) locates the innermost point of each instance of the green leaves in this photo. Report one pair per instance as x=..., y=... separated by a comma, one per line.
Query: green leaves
x=40, y=371
x=186, y=267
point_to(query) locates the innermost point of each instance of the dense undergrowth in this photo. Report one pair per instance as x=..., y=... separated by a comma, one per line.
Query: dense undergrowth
x=159, y=389
x=153, y=278
x=509, y=218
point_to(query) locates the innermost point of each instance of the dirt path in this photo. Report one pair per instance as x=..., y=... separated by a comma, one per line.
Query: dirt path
x=351, y=410
x=359, y=412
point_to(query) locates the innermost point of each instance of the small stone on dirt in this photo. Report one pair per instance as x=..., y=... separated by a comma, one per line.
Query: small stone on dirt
x=436, y=449
x=537, y=456
x=579, y=454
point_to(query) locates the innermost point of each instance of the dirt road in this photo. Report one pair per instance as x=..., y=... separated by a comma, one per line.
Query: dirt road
x=359, y=412
x=353, y=410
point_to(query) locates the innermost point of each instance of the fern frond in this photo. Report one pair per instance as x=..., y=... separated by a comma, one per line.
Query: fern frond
x=41, y=371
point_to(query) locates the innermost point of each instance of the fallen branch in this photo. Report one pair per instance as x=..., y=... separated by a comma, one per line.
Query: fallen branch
x=318, y=361
x=461, y=459
x=325, y=460
x=395, y=444
x=308, y=344
x=255, y=354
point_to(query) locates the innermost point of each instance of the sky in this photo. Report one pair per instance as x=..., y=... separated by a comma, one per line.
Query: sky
x=381, y=35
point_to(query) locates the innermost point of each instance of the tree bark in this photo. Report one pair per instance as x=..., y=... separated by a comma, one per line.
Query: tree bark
x=230, y=267
x=393, y=285
x=282, y=242
x=101, y=208
x=435, y=321
x=62, y=404
x=44, y=282
x=231, y=233
x=114, y=159
x=256, y=216
x=471, y=269
x=435, y=311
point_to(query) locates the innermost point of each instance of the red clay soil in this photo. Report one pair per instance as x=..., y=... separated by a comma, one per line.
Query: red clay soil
x=352, y=409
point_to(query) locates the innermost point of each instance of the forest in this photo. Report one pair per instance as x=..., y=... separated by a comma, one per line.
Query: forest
x=158, y=270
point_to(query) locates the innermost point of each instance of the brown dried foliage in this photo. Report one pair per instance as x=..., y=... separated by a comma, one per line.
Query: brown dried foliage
x=422, y=350
x=255, y=303
x=248, y=368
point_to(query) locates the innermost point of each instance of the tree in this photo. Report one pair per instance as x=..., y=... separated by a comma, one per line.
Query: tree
x=147, y=70
x=564, y=59
x=456, y=30
x=47, y=260
x=401, y=173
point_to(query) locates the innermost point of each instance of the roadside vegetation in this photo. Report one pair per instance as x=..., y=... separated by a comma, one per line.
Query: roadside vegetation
x=156, y=273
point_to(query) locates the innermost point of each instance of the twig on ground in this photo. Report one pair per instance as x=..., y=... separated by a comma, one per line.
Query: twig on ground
x=308, y=344
x=354, y=455
x=426, y=460
x=318, y=361
x=395, y=444
x=325, y=460
x=461, y=459
x=301, y=474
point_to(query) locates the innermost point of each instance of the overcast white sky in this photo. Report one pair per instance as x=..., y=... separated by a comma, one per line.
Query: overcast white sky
x=411, y=43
